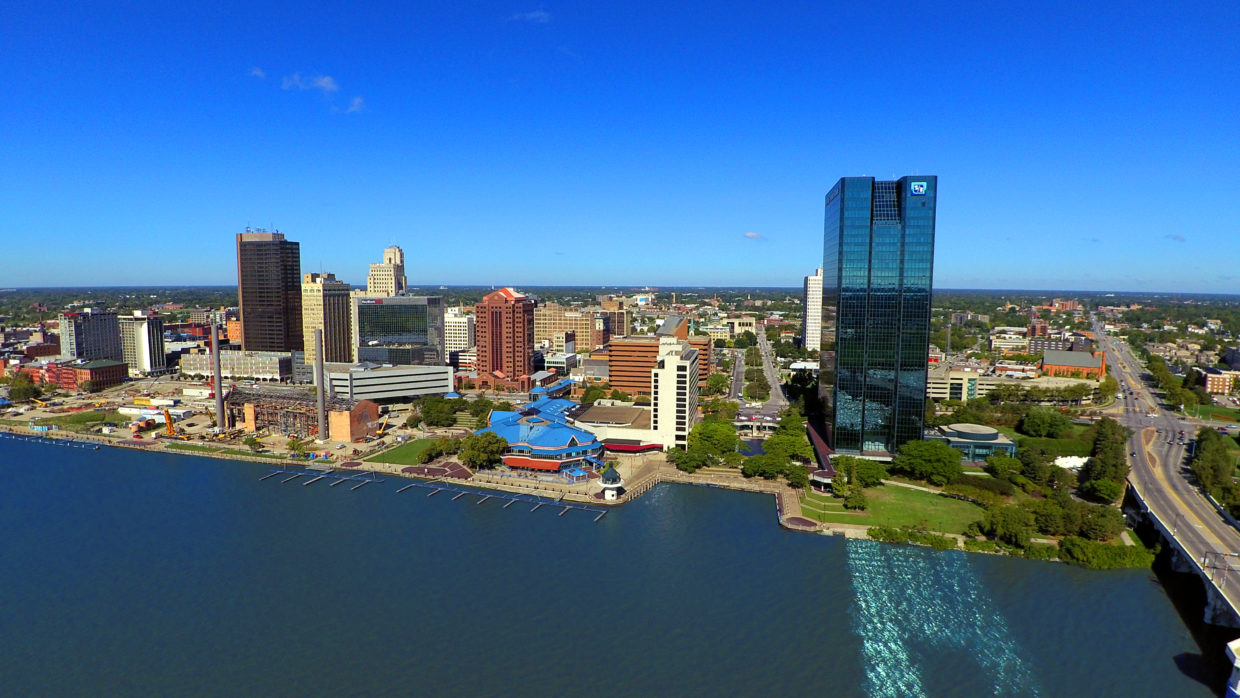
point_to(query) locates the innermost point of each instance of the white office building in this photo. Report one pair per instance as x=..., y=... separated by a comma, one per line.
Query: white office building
x=371, y=381
x=458, y=330
x=811, y=323
x=142, y=343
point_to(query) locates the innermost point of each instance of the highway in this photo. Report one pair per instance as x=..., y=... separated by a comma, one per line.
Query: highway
x=1158, y=471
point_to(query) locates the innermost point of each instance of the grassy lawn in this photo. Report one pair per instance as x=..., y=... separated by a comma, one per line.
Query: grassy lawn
x=899, y=506
x=1222, y=414
x=405, y=454
x=85, y=419
x=181, y=446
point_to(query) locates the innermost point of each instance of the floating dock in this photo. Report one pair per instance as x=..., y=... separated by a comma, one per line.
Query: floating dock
x=363, y=478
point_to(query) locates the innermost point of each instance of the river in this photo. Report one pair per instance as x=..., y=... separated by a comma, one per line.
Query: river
x=141, y=574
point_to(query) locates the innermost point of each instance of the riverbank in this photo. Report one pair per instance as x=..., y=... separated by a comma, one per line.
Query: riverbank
x=641, y=474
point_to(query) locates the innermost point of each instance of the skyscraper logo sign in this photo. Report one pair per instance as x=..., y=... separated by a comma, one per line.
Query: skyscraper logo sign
x=918, y=188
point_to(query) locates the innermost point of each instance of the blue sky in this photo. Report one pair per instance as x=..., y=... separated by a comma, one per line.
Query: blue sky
x=1078, y=145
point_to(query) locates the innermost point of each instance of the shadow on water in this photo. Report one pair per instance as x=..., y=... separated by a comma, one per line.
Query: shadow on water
x=1187, y=592
x=751, y=447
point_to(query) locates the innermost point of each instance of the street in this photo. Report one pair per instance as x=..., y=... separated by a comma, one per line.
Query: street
x=1159, y=468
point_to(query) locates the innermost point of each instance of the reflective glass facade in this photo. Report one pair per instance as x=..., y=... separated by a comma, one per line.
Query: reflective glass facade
x=399, y=330
x=878, y=258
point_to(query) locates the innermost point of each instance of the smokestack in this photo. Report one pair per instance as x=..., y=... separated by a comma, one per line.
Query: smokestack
x=220, y=424
x=318, y=380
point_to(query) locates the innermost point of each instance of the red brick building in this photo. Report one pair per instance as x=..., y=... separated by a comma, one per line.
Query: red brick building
x=75, y=376
x=504, y=338
x=1074, y=364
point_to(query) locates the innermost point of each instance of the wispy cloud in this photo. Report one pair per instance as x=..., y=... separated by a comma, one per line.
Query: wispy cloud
x=326, y=83
x=1177, y=238
x=356, y=105
x=258, y=73
x=753, y=236
x=539, y=16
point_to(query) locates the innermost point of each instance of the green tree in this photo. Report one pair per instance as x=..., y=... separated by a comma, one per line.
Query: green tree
x=253, y=443
x=593, y=394
x=438, y=412
x=22, y=389
x=620, y=395
x=1101, y=523
x=1045, y=422
x=719, y=409
x=480, y=408
x=933, y=461
x=797, y=476
x=687, y=460
x=715, y=438
x=716, y=384
x=856, y=499
x=1009, y=524
x=483, y=449
x=789, y=447
x=297, y=446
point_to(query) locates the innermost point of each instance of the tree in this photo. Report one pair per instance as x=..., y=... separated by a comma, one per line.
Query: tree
x=619, y=395
x=414, y=419
x=856, y=499
x=933, y=461
x=798, y=476
x=296, y=445
x=1105, y=491
x=715, y=438
x=438, y=412
x=593, y=394
x=1102, y=523
x=719, y=409
x=721, y=343
x=253, y=443
x=687, y=460
x=789, y=447
x=480, y=408
x=1044, y=421
x=22, y=389
x=1010, y=524
x=483, y=449
x=717, y=383
x=88, y=387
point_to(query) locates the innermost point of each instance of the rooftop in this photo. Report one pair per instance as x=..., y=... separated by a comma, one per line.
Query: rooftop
x=1075, y=359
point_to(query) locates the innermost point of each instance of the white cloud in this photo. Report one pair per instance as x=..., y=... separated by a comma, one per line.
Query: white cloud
x=297, y=81
x=753, y=236
x=356, y=105
x=539, y=16
x=258, y=73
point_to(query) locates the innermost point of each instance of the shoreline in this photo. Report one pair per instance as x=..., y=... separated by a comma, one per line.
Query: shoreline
x=787, y=506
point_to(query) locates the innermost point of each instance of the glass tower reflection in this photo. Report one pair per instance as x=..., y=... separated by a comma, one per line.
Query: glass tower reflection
x=878, y=258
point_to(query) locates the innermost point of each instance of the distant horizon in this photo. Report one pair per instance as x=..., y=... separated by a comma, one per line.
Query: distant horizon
x=642, y=287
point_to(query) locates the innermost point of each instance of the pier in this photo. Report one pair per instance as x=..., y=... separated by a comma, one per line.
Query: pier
x=359, y=479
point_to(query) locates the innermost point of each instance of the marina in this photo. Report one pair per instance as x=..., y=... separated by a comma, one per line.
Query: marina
x=434, y=487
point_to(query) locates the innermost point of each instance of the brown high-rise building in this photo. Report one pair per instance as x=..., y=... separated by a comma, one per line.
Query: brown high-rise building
x=269, y=291
x=630, y=359
x=504, y=333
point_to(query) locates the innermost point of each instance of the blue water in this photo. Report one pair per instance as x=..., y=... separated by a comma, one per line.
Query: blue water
x=145, y=574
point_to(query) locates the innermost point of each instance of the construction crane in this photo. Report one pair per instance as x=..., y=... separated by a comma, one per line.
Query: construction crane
x=168, y=423
x=383, y=429
x=38, y=402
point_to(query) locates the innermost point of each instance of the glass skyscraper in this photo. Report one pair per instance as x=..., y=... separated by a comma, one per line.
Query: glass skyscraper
x=399, y=330
x=878, y=259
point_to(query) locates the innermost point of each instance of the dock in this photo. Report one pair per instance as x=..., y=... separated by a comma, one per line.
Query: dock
x=361, y=479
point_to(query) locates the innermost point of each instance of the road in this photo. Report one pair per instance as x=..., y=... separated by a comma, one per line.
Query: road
x=1159, y=467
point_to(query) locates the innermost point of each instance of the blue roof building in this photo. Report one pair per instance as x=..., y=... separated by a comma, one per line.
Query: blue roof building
x=539, y=436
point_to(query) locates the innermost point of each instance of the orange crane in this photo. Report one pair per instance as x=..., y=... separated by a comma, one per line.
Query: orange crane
x=383, y=429
x=168, y=423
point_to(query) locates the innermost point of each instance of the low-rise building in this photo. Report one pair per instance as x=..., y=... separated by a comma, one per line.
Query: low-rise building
x=1009, y=343
x=975, y=441
x=1074, y=364
x=1216, y=381
x=371, y=381
x=249, y=365
x=541, y=438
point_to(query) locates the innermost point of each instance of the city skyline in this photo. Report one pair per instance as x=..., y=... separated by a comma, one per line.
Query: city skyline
x=1090, y=150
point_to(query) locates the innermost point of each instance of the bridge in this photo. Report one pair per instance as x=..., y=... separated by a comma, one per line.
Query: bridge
x=1203, y=539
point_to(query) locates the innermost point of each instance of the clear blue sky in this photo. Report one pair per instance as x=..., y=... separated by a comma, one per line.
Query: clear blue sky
x=1077, y=145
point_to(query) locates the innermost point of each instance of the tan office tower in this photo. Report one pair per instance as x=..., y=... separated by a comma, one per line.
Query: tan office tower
x=269, y=291
x=388, y=277
x=325, y=306
x=504, y=330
